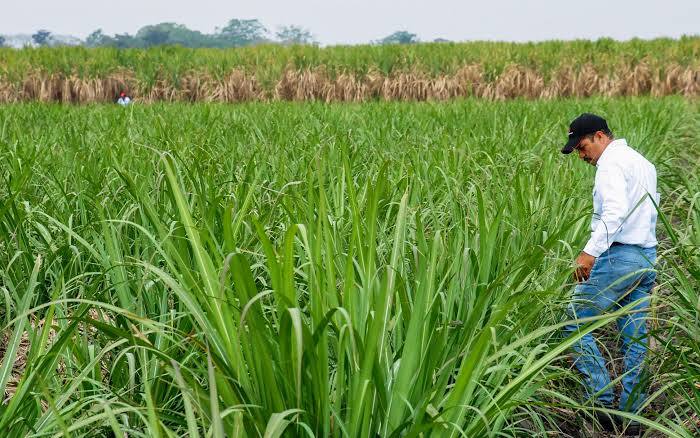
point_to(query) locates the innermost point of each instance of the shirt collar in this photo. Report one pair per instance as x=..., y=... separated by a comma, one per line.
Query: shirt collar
x=614, y=143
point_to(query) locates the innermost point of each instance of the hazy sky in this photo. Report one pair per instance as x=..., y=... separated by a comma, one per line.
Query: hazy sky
x=338, y=21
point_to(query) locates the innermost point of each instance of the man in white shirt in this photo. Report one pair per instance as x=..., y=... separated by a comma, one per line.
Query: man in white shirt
x=123, y=99
x=615, y=268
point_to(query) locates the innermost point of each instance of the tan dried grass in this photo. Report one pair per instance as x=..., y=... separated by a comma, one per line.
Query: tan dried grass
x=42, y=87
x=406, y=86
x=676, y=79
x=348, y=88
x=586, y=82
x=635, y=81
x=316, y=84
x=20, y=359
x=8, y=91
x=237, y=86
x=517, y=81
x=302, y=85
x=196, y=87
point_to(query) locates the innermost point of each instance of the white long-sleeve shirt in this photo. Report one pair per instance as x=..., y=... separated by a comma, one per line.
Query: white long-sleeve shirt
x=623, y=211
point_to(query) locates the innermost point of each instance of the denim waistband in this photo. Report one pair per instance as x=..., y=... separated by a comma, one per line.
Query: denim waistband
x=629, y=244
x=626, y=248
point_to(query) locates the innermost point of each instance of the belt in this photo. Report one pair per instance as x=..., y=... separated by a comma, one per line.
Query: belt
x=616, y=244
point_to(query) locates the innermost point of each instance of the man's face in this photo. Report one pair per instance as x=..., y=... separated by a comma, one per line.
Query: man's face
x=591, y=147
x=583, y=149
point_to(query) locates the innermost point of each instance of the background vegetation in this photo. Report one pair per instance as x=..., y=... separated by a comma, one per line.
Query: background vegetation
x=235, y=33
x=270, y=61
x=437, y=71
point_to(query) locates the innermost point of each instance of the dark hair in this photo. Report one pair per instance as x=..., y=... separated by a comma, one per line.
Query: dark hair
x=607, y=132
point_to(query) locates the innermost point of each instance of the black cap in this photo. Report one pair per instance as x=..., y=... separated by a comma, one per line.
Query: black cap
x=584, y=124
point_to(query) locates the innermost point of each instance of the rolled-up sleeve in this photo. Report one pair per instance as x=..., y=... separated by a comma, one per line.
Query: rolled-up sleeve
x=611, y=186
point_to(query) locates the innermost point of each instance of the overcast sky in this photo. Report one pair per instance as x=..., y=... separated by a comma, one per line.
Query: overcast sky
x=359, y=21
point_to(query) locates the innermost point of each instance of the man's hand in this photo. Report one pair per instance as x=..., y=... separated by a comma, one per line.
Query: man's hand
x=584, y=264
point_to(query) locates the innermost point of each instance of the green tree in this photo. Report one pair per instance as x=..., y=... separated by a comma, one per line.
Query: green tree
x=125, y=41
x=173, y=34
x=242, y=32
x=42, y=37
x=99, y=39
x=2, y=41
x=153, y=36
x=294, y=35
x=400, y=37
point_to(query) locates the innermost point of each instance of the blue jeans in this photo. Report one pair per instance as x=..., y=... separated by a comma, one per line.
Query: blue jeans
x=621, y=275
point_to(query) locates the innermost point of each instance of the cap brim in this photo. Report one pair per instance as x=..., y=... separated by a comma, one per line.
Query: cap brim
x=570, y=145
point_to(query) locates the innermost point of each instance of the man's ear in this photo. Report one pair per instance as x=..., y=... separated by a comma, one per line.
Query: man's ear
x=600, y=136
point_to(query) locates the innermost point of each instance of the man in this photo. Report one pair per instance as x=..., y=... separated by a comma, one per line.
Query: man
x=123, y=99
x=615, y=268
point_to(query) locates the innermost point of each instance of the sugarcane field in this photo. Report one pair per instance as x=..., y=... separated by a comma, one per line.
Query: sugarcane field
x=281, y=237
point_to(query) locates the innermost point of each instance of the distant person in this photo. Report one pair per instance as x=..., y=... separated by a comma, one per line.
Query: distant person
x=616, y=267
x=123, y=100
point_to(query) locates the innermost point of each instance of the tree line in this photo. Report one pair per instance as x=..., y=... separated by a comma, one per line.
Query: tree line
x=236, y=33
